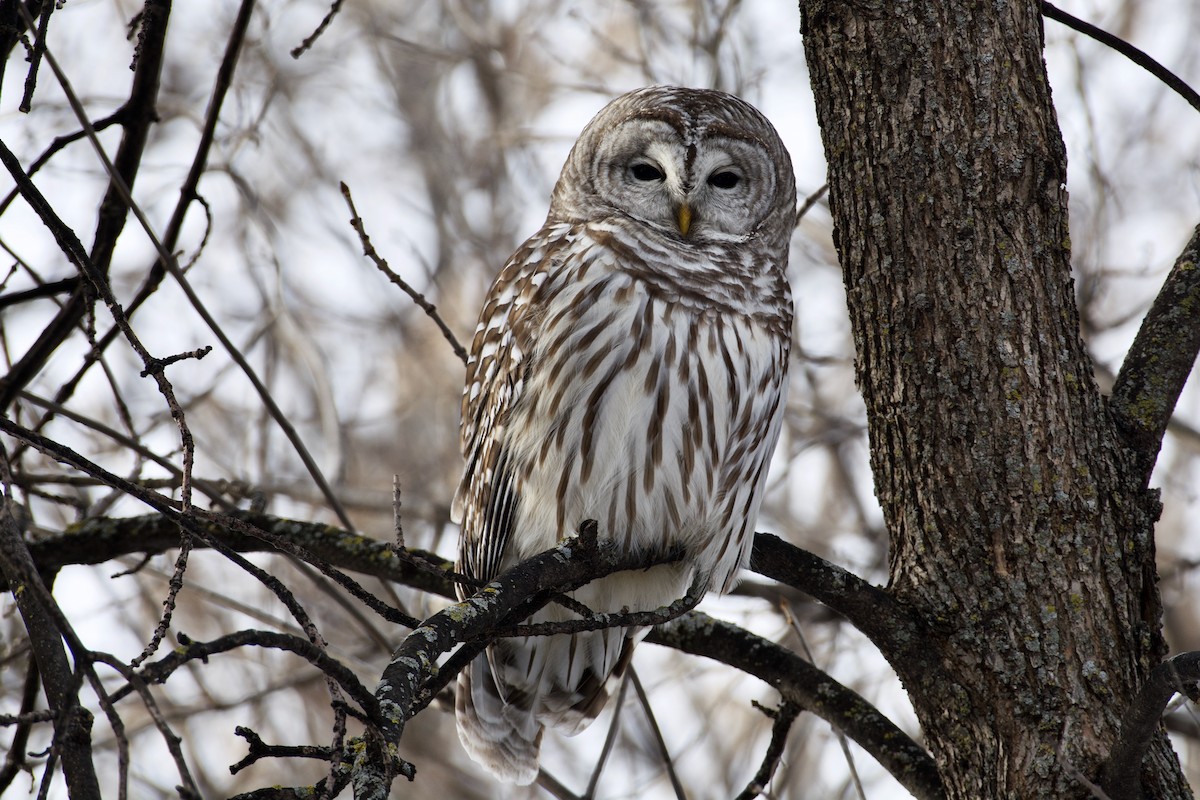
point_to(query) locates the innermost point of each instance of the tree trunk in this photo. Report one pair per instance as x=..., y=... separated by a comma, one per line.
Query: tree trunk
x=1021, y=531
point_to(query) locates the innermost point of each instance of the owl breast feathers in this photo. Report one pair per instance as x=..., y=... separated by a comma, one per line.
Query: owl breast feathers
x=629, y=367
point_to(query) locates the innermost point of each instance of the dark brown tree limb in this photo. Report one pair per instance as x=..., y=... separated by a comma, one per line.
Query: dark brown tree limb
x=1162, y=357
x=893, y=628
x=73, y=723
x=102, y=539
x=1122, y=776
x=802, y=683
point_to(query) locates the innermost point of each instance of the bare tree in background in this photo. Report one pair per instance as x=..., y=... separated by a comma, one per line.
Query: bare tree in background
x=209, y=390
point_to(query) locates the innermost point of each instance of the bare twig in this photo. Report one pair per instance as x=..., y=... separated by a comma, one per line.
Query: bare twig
x=1173, y=81
x=190, y=650
x=810, y=201
x=617, y=619
x=837, y=732
x=159, y=364
x=188, y=790
x=663, y=752
x=260, y=749
x=36, y=52
x=381, y=263
x=397, y=523
x=27, y=718
x=174, y=585
x=311, y=39
x=609, y=740
x=783, y=718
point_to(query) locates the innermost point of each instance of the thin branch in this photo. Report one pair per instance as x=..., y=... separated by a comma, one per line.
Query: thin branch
x=610, y=741
x=838, y=732
x=783, y=718
x=663, y=752
x=174, y=586
x=381, y=263
x=618, y=619
x=15, y=761
x=190, y=650
x=136, y=116
x=187, y=191
x=210, y=490
x=809, y=202
x=188, y=790
x=1174, y=82
x=1160, y=360
x=63, y=286
x=1122, y=773
x=260, y=749
x=311, y=39
x=36, y=52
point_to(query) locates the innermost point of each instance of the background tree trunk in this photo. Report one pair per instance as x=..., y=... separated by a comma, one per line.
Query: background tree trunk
x=1020, y=529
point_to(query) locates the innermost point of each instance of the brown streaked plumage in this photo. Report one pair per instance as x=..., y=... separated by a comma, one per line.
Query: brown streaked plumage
x=629, y=367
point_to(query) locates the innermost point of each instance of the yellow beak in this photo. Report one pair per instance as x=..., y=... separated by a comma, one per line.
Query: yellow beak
x=685, y=218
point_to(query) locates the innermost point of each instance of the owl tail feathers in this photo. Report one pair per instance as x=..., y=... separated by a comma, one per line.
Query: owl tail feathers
x=503, y=742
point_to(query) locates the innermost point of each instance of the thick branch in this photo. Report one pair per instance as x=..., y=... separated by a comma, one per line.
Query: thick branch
x=884, y=620
x=871, y=609
x=1123, y=772
x=102, y=539
x=802, y=683
x=1160, y=360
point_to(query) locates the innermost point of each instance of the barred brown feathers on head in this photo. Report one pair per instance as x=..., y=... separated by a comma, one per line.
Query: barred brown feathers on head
x=629, y=367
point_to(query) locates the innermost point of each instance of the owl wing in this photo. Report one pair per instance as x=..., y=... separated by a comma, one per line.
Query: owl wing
x=486, y=501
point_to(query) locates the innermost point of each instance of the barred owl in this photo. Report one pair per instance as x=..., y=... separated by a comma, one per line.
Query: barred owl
x=629, y=367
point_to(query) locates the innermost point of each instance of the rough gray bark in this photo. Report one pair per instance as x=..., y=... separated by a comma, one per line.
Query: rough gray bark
x=1021, y=529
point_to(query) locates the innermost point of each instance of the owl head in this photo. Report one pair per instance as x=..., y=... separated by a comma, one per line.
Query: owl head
x=693, y=165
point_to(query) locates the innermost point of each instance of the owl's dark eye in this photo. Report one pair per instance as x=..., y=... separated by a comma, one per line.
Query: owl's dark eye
x=724, y=180
x=646, y=172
